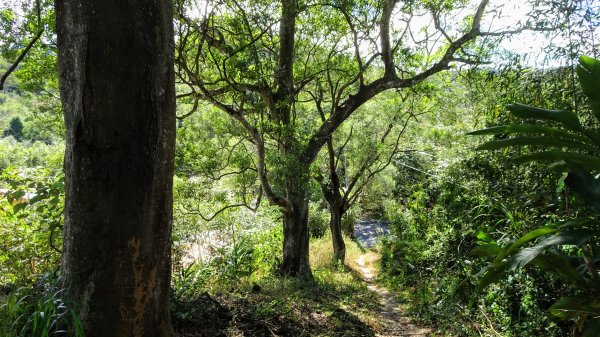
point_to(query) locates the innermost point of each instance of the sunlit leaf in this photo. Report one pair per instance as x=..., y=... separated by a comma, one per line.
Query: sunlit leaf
x=546, y=141
x=588, y=73
x=567, y=119
x=571, y=237
x=588, y=161
x=490, y=249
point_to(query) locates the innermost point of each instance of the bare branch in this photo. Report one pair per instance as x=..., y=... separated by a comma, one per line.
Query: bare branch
x=214, y=215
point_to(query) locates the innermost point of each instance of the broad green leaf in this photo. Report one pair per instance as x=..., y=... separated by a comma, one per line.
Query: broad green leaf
x=484, y=237
x=567, y=119
x=529, y=129
x=585, y=185
x=592, y=135
x=561, y=266
x=588, y=73
x=572, y=306
x=492, y=274
x=571, y=237
x=488, y=249
x=587, y=161
x=577, y=223
x=530, y=236
x=546, y=141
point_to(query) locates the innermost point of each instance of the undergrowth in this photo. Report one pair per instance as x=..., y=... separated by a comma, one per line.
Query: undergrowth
x=335, y=302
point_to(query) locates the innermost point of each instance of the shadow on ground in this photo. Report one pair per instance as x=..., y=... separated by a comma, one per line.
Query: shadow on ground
x=309, y=311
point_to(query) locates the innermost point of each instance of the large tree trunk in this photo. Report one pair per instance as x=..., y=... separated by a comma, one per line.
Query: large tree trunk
x=295, y=214
x=295, y=223
x=295, y=240
x=117, y=88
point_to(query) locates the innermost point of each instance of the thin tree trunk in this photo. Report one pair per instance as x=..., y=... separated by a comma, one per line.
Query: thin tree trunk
x=336, y=203
x=117, y=88
x=335, y=224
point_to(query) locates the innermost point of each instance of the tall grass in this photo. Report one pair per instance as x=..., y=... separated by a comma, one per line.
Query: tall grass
x=27, y=313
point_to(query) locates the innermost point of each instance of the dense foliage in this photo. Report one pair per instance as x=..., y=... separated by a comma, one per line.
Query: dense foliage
x=442, y=211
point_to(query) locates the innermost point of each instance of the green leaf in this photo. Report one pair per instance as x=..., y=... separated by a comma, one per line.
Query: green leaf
x=542, y=141
x=561, y=266
x=488, y=249
x=588, y=73
x=571, y=237
x=484, y=237
x=528, y=129
x=585, y=185
x=592, y=135
x=573, y=306
x=550, y=229
x=587, y=161
x=568, y=119
x=492, y=274
x=578, y=222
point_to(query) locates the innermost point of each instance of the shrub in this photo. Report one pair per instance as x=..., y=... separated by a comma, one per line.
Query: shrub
x=40, y=312
x=567, y=248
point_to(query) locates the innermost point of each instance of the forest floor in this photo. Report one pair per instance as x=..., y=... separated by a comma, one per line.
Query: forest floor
x=339, y=301
x=393, y=318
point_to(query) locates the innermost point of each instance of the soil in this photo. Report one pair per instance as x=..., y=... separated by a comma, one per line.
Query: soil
x=394, y=321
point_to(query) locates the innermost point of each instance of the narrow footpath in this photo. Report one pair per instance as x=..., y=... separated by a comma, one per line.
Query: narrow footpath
x=395, y=322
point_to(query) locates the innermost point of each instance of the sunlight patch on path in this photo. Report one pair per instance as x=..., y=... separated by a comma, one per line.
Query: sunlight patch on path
x=395, y=322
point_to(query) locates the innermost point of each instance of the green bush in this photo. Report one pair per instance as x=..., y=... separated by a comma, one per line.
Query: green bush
x=31, y=217
x=38, y=312
x=14, y=129
x=433, y=226
x=566, y=248
x=318, y=220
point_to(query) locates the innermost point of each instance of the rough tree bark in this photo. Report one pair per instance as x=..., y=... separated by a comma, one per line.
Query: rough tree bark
x=296, y=239
x=335, y=225
x=117, y=88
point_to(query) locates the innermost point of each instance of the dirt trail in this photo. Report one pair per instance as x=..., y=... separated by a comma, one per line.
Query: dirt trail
x=395, y=322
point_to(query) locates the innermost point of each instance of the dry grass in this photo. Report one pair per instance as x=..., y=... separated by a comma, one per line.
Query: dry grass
x=321, y=254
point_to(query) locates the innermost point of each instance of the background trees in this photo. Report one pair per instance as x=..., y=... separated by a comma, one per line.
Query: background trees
x=339, y=54
x=367, y=147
